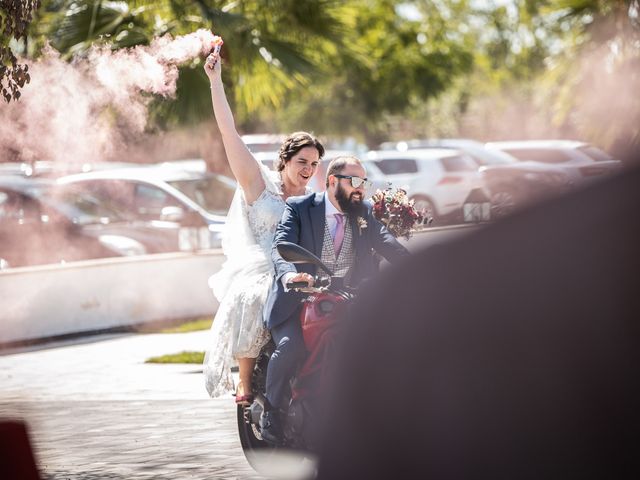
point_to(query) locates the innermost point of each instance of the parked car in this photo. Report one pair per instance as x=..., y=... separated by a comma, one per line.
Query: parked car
x=579, y=159
x=509, y=182
x=50, y=169
x=263, y=142
x=174, y=192
x=439, y=180
x=41, y=223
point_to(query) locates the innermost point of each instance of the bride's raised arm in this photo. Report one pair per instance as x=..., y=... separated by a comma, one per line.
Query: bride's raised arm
x=243, y=165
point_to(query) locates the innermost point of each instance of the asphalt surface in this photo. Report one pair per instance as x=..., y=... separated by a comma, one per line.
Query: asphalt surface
x=95, y=410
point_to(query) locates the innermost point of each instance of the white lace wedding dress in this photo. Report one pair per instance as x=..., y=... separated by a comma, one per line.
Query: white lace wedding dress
x=243, y=283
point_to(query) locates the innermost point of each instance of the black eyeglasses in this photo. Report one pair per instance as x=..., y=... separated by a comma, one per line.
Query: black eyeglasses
x=356, y=182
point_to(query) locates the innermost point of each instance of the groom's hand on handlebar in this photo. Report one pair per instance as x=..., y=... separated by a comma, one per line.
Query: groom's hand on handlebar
x=302, y=277
x=293, y=281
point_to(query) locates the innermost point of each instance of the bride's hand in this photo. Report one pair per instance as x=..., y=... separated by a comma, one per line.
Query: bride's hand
x=212, y=65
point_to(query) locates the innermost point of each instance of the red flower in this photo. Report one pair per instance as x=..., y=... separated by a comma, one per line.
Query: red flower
x=396, y=212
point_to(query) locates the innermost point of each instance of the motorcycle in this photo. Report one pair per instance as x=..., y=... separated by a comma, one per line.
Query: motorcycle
x=321, y=311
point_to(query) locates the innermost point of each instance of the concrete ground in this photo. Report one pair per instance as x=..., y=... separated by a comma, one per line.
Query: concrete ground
x=95, y=410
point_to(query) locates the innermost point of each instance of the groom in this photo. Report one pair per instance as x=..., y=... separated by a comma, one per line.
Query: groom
x=339, y=228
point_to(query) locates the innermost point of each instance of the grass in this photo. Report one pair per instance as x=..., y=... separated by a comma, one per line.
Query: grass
x=182, y=357
x=192, y=326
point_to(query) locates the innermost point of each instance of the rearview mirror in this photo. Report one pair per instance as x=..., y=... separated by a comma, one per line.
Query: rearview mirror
x=294, y=253
x=172, y=214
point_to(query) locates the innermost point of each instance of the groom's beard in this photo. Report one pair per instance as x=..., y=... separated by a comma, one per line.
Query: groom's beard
x=350, y=205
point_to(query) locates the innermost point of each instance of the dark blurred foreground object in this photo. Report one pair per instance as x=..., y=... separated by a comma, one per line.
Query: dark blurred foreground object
x=16, y=458
x=512, y=353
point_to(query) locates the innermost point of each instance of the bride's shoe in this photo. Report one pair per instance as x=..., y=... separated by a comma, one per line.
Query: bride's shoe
x=245, y=399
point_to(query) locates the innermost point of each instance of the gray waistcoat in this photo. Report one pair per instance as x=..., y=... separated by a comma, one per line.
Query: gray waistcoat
x=340, y=266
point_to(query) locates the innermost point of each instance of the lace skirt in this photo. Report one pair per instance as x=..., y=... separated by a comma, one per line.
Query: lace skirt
x=238, y=330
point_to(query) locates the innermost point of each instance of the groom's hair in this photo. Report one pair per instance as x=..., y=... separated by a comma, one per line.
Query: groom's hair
x=293, y=144
x=337, y=165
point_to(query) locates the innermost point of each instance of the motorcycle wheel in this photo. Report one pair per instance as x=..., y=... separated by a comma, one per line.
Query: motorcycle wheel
x=248, y=431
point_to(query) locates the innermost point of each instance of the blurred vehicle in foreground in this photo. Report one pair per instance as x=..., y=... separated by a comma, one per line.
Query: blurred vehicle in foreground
x=509, y=182
x=197, y=200
x=42, y=223
x=439, y=180
x=581, y=160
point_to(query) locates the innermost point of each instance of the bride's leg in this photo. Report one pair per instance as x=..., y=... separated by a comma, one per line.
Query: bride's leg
x=245, y=367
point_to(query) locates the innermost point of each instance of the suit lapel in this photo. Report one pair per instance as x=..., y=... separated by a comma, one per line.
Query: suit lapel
x=316, y=214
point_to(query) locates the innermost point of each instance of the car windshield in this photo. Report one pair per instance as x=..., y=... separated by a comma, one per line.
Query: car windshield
x=595, y=153
x=211, y=193
x=493, y=157
x=459, y=163
x=80, y=207
x=397, y=166
x=545, y=155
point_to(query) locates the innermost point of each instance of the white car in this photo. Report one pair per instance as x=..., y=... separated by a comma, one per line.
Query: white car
x=580, y=160
x=438, y=179
x=177, y=192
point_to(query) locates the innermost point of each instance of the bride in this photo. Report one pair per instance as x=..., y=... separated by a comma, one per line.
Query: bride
x=242, y=285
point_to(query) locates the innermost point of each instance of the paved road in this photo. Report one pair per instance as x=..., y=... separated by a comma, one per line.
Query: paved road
x=95, y=410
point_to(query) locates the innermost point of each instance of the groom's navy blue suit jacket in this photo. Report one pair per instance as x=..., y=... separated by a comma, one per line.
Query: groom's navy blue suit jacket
x=303, y=223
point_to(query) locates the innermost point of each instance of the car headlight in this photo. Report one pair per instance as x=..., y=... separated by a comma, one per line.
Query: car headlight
x=122, y=245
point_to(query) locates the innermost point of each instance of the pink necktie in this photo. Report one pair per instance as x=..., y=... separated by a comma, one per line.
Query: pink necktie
x=339, y=236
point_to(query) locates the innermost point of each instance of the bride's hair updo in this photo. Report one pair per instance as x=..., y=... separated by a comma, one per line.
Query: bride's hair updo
x=293, y=144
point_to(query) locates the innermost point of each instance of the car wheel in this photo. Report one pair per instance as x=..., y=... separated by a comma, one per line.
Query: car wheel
x=503, y=202
x=423, y=204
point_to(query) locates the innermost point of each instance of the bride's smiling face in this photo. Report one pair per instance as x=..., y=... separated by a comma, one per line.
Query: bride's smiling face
x=301, y=167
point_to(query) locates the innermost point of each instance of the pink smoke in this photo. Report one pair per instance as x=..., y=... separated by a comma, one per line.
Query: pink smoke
x=82, y=111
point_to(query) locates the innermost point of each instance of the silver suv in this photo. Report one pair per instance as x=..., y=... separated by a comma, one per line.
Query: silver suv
x=182, y=193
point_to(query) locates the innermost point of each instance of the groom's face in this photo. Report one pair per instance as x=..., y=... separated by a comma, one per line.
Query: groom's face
x=350, y=198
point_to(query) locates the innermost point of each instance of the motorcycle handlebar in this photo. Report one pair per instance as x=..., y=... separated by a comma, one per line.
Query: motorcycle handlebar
x=297, y=285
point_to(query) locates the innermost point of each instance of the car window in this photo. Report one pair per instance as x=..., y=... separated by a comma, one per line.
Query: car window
x=397, y=166
x=149, y=195
x=459, y=163
x=595, y=153
x=18, y=208
x=210, y=193
x=483, y=156
x=373, y=171
x=546, y=155
x=80, y=207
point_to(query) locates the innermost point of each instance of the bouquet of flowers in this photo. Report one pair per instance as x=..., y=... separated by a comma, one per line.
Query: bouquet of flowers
x=396, y=212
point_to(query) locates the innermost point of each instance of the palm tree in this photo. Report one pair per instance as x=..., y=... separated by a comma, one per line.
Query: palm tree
x=271, y=46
